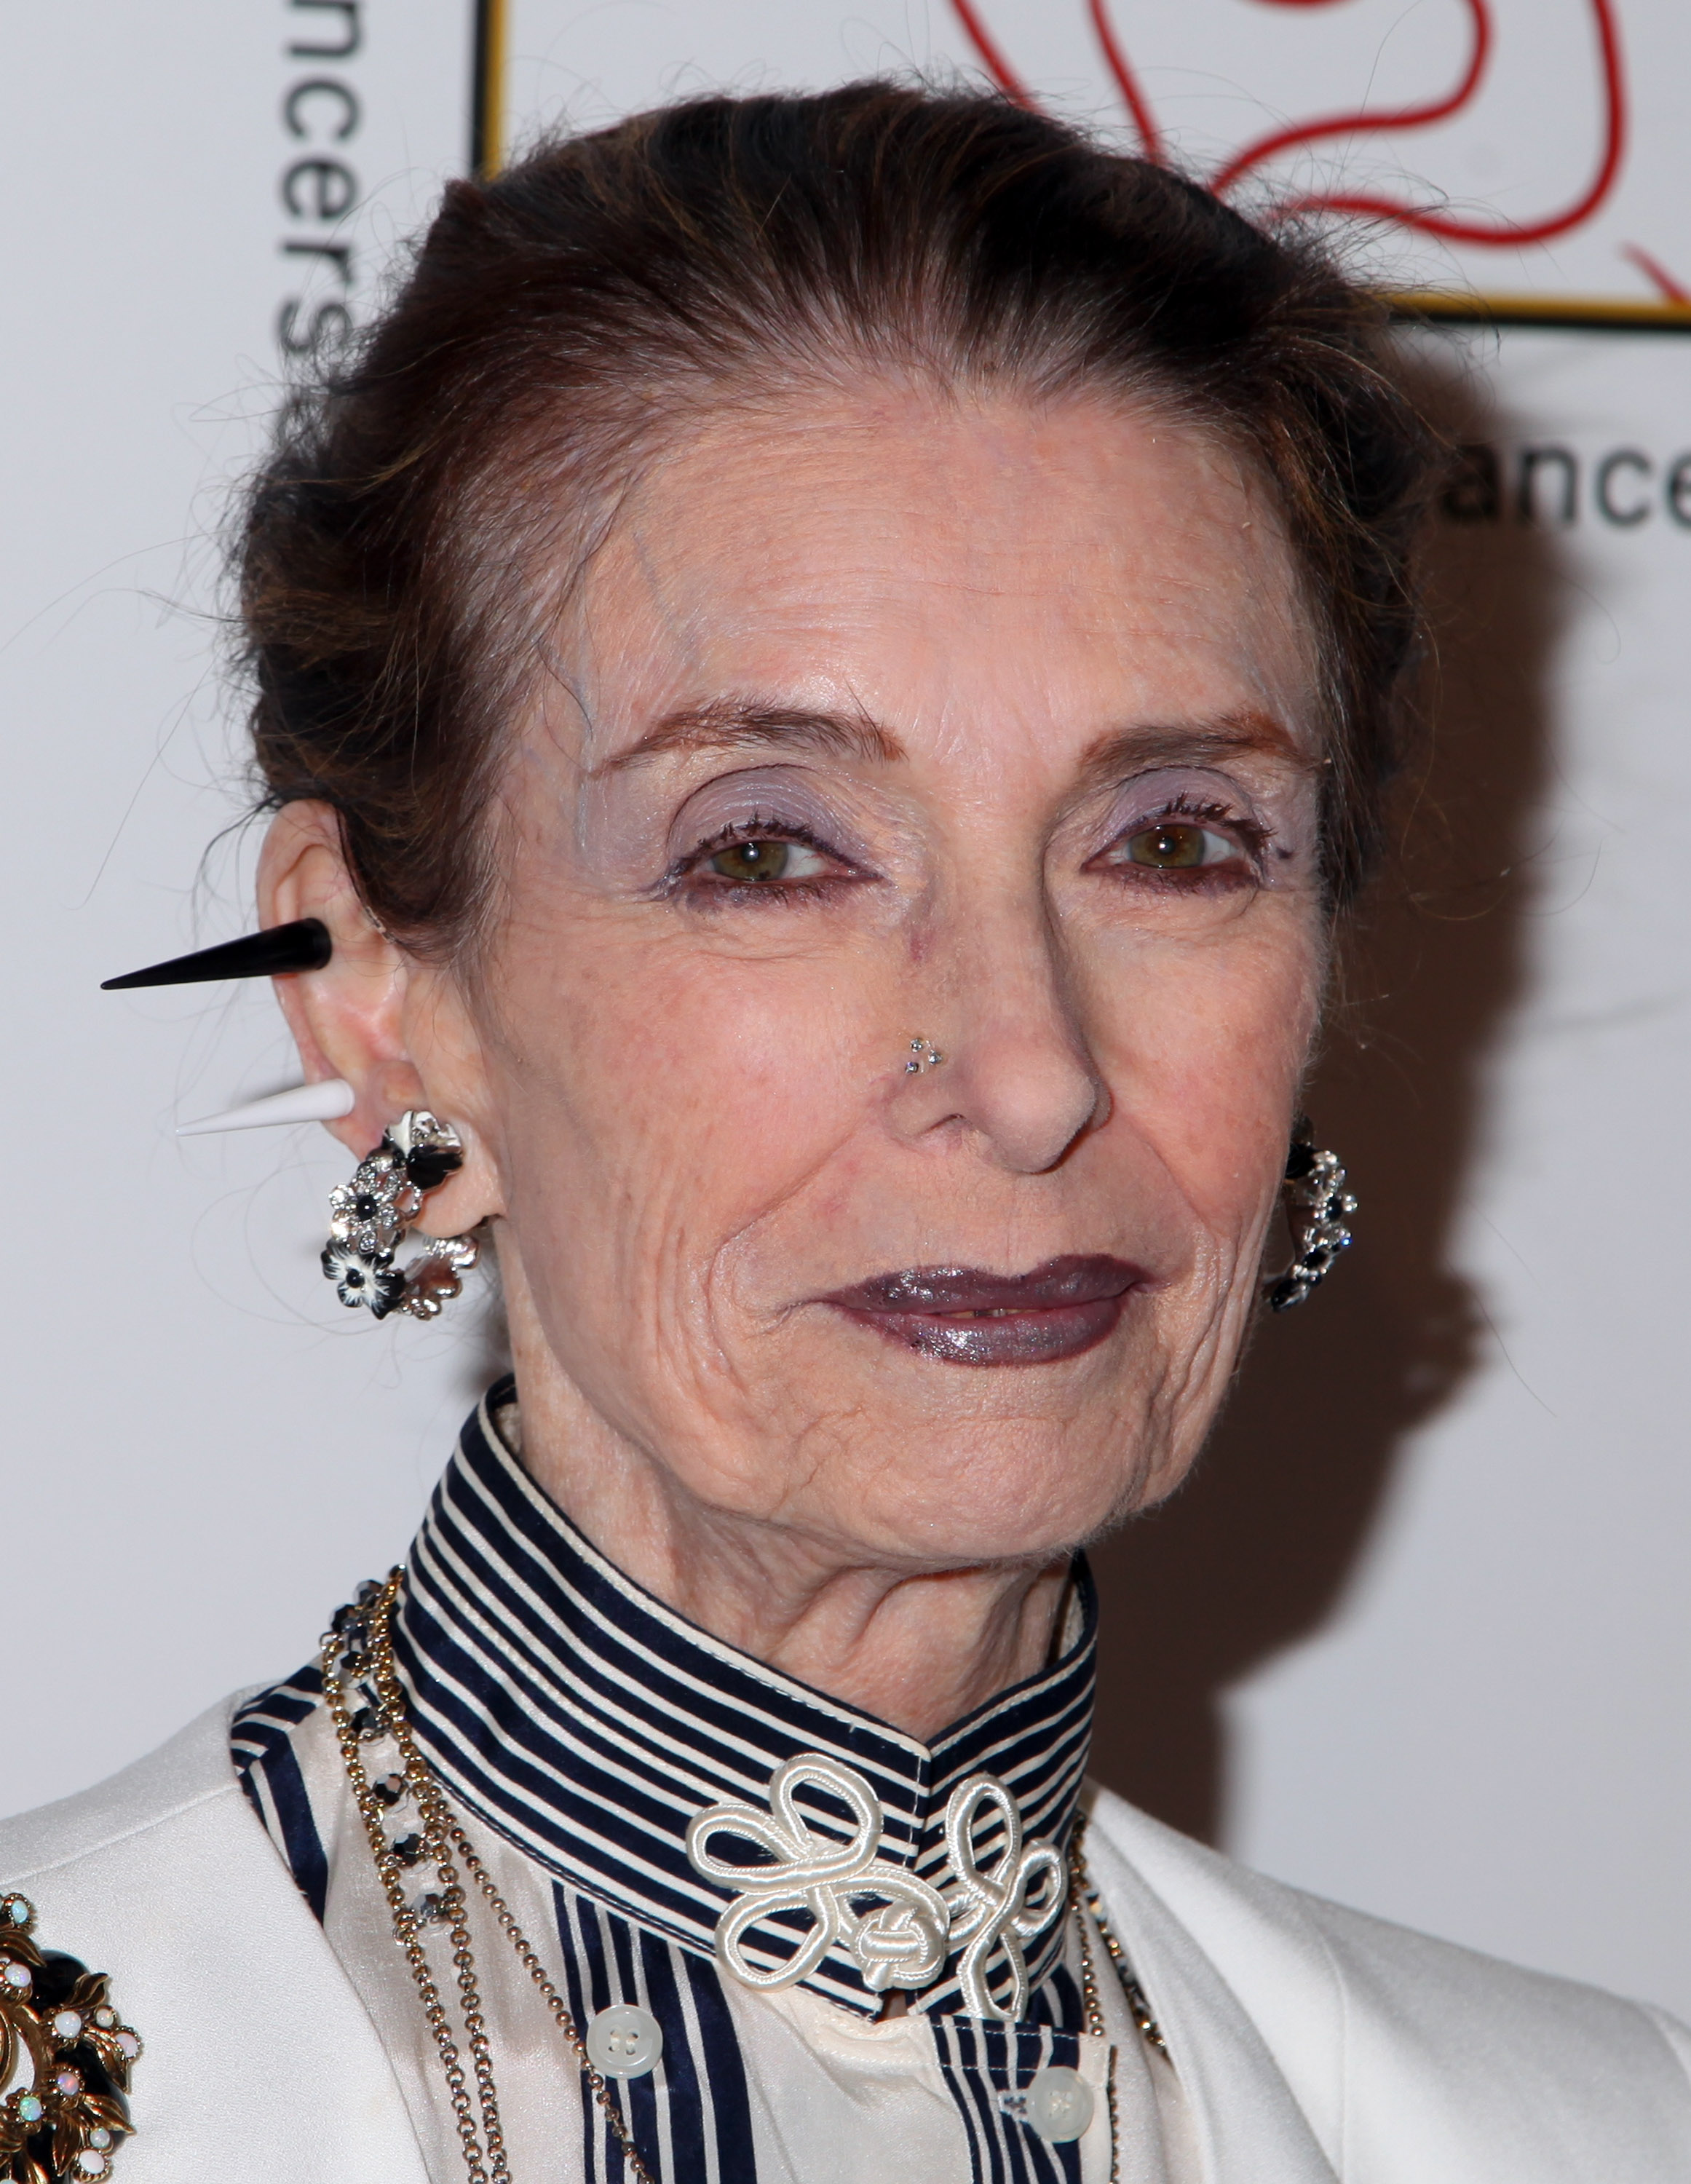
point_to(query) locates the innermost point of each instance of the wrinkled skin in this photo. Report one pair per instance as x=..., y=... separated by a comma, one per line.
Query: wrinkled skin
x=953, y=667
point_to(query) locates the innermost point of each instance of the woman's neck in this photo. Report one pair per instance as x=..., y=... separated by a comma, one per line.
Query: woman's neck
x=917, y=1648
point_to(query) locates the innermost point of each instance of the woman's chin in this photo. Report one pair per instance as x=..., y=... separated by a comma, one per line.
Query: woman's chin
x=984, y=1492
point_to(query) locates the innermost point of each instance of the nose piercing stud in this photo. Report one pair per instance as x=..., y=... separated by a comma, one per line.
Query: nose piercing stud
x=924, y=1055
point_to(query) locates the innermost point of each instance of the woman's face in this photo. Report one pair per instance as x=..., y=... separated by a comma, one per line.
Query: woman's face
x=875, y=721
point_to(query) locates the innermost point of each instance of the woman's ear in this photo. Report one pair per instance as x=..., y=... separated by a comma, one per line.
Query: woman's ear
x=361, y=1016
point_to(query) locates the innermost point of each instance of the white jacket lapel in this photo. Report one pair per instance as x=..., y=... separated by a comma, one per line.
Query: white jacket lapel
x=1250, y=2128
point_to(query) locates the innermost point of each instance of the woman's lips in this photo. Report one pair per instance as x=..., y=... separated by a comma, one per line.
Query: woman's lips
x=966, y=1317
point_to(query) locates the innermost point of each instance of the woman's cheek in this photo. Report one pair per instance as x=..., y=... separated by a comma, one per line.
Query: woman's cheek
x=1209, y=1060
x=727, y=1090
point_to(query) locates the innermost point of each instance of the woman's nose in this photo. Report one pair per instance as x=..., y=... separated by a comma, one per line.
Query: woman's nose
x=1016, y=1071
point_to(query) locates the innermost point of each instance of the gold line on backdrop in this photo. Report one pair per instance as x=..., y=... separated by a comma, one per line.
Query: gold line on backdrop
x=1573, y=312
x=487, y=89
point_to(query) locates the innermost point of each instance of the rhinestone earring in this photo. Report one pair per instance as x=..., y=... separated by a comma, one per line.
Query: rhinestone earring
x=369, y=1218
x=1316, y=1181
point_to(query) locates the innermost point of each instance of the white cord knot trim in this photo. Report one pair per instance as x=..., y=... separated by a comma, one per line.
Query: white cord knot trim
x=1001, y=1910
x=905, y=1941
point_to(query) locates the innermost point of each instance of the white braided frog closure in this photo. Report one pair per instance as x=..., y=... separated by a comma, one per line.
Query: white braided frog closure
x=1000, y=1909
x=901, y=1944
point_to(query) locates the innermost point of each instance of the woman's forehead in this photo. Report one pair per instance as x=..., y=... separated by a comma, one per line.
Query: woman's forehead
x=929, y=562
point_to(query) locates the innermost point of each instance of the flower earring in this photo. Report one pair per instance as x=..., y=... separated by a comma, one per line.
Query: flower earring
x=369, y=1217
x=1315, y=1180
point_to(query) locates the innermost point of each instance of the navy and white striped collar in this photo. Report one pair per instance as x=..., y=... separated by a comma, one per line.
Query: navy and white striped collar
x=590, y=1723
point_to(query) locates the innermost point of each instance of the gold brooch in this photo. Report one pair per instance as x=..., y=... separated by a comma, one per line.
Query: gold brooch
x=66, y=2057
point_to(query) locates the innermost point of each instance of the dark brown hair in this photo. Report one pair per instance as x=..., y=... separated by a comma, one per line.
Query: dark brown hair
x=611, y=283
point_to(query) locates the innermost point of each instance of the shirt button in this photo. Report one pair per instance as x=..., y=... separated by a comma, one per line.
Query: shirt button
x=1058, y=2104
x=625, y=2042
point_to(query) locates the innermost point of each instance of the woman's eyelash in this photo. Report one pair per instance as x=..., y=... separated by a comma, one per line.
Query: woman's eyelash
x=757, y=829
x=754, y=830
x=1253, y=836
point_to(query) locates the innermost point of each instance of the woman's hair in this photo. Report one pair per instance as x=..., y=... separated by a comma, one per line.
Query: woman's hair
x=557, y=322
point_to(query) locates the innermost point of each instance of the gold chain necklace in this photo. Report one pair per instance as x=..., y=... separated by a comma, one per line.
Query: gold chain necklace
x=1094, y=2013
x=1150, y=2030
x=444, y=1843
x=1084, y=1897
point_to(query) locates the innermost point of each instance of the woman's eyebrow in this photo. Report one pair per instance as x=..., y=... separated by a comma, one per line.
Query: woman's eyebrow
x=731, y=723
x=1193, y=743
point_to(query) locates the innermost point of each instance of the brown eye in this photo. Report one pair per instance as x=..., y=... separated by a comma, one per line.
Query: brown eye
x=1177, y=845
x=744, y=862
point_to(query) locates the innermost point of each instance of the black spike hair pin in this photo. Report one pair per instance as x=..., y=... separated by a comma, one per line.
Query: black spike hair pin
x=304, y=945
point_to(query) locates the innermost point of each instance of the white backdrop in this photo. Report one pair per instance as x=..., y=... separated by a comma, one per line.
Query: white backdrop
x=1418, y=1636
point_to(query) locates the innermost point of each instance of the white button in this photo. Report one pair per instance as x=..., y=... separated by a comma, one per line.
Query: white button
x=625, y=2042
x=1058, y=2104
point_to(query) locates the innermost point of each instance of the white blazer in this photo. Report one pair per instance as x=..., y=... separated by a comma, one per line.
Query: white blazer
x=1313, y=2043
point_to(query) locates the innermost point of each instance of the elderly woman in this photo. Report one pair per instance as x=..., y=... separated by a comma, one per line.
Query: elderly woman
x=823, y=683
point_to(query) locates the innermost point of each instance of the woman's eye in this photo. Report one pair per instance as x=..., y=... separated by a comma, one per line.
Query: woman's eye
x=1177, y=845
x=764, y=858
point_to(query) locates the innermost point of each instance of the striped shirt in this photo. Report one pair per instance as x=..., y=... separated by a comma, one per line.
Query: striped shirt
x=580, y=1726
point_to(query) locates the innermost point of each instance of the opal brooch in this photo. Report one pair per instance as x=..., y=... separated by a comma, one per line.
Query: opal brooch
x=66, y=2057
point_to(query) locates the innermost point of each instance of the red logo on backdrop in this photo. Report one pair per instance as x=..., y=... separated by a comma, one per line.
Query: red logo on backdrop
x=1471, y=65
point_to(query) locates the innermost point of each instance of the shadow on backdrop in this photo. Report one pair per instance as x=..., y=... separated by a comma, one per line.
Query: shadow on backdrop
x=1254, y=1553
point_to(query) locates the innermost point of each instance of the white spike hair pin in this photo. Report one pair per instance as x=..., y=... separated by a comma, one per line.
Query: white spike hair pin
x=301, y=1103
